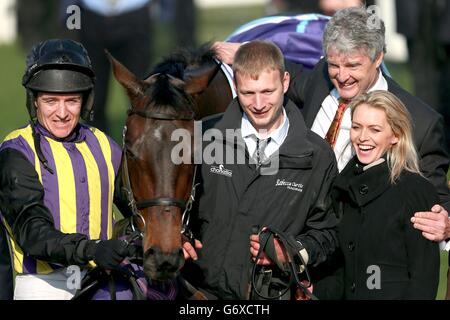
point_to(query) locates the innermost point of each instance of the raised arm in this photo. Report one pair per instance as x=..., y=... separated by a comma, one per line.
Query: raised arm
x=225, y=51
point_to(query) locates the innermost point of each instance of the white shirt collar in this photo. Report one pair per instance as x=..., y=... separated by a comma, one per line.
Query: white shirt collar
x=277, y=136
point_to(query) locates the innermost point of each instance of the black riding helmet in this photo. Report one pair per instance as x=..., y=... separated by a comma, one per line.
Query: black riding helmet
x=59, y=65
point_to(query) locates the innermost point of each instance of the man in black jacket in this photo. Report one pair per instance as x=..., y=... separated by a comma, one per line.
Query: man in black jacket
x=274, y=173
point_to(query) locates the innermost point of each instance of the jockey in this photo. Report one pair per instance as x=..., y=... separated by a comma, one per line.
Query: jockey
x=58, y=177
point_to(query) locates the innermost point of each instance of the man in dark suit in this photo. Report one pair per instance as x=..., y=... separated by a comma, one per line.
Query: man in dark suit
x=354, y=46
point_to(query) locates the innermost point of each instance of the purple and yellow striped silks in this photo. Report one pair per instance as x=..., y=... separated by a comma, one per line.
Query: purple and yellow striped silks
x=79, y=194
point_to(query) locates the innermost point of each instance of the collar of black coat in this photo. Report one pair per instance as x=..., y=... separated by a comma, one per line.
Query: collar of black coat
x=362, y=185
x=295, y=152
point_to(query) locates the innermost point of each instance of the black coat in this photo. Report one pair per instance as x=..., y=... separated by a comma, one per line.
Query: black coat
x=309, y=89
x=235, y=197
x=375, y=231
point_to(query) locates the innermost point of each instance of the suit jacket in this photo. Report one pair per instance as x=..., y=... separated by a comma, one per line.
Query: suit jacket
x=309, y=89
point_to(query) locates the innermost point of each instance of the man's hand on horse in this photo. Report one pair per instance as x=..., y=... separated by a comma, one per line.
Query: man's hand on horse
x=189, y=250
x=264, y=259
x=225, y=51
x=434, y=224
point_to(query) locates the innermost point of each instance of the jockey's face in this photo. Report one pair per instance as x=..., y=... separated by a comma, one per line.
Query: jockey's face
x=352, y=73
x=262, y=98
x=59, y=113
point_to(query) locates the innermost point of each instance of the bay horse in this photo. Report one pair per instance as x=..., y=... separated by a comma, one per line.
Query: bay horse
x=159, y=190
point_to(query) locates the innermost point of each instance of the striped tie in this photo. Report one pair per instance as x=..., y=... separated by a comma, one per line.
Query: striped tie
x=333, y=131
x=259, y=155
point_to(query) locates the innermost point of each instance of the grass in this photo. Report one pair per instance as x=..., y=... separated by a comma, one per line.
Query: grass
x=213, y=24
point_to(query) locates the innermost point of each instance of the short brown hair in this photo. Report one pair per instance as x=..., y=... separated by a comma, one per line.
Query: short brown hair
x=256, y=56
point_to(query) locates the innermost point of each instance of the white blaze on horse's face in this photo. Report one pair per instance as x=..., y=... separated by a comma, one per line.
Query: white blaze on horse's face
x=262, y=98
x=157, y=134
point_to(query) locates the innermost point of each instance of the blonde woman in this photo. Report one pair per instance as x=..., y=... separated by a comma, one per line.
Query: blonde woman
x=376, y=194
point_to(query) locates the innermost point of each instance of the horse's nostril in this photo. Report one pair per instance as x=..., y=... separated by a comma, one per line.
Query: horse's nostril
x=150, y=251
x=168, y=267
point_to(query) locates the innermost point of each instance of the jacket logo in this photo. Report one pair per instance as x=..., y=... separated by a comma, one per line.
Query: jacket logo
x=294, y=186
x=221, y=170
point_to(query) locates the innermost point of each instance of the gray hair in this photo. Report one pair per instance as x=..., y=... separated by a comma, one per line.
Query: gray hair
x=354, y=29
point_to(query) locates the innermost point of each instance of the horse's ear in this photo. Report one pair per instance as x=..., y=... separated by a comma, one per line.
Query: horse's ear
x=197, y=80
x=177, y=82
x=133, y=86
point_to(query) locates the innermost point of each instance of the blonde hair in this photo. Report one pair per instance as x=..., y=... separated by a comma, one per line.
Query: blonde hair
x=254, y=57
x=402, y=155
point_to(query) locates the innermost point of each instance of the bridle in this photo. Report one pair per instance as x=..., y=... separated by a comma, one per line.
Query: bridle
x=136, y=206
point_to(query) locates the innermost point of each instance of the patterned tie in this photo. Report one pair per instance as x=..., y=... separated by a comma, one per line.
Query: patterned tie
x=333, y=131
x=259, y=155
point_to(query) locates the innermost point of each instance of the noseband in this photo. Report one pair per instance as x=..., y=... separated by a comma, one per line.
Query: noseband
x=135, y=206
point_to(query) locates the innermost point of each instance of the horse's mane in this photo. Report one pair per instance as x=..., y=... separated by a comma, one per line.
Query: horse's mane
x=165, y=95
x=169, y=96
x=183, y=58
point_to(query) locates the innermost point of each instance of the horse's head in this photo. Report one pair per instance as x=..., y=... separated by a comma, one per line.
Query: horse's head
x=158, y=172
x=202, y=74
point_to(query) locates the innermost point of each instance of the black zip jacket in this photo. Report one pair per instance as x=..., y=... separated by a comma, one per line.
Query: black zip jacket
x=235, y=197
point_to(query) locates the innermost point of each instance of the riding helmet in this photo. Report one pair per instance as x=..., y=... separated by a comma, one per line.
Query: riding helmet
x=59, y=66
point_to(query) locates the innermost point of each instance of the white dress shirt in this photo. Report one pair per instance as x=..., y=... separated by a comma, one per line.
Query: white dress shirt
x=343, y=148
x=277, y=136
